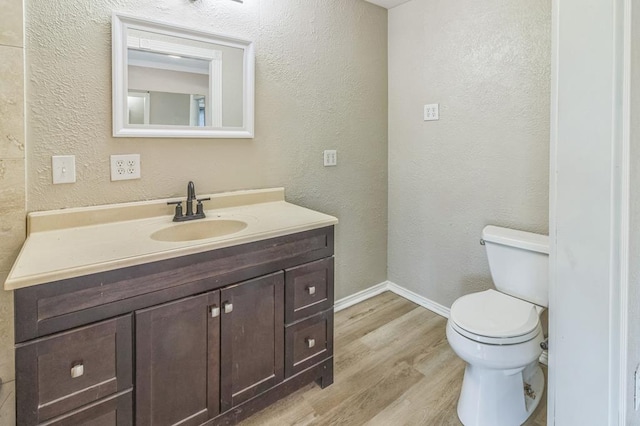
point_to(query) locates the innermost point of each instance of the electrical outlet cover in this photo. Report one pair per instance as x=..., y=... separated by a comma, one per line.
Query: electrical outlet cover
x=330, y=157
x=125, y=167
x=431, y=112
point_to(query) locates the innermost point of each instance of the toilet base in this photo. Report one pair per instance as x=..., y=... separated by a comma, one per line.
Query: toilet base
x=499, y=397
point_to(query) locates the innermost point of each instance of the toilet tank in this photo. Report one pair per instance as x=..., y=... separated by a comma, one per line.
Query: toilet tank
x=519, y=263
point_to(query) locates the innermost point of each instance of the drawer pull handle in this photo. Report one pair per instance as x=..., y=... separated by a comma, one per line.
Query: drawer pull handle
x=77, y=370
x=311, y=290
x=228, y=307
x=215, y=311
x=310, y=342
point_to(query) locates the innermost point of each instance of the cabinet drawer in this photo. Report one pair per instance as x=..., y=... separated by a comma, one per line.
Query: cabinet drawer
x=309, y=289
x=63, y=372
x=308, y=342
x=113, y=411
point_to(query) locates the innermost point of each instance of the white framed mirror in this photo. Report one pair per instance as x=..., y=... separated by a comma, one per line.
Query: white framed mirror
x=174, y=82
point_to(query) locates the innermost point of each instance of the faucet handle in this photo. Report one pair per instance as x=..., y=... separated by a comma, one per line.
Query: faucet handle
x=178, y=205
x=199, y=207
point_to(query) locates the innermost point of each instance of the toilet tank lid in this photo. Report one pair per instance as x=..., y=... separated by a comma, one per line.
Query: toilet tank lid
x=514, y=238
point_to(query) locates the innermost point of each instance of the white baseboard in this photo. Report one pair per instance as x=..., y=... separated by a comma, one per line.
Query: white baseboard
x=419, y=300
x=360, y=296
x=377, y=289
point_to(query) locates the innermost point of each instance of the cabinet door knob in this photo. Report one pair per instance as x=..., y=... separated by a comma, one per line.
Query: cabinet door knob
x=215, y=311
x=310, y=342
x=228, y=307
x=311, y=290
x=77, y=369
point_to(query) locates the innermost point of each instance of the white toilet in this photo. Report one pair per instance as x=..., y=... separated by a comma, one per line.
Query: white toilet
x=498, y=333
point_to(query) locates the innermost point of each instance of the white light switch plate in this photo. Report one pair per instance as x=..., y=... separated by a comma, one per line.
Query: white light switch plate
x=431, y=112
x=125, y=167
x=63, y=168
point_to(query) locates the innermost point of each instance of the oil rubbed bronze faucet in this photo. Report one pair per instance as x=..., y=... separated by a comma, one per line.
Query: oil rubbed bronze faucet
x=191, y=197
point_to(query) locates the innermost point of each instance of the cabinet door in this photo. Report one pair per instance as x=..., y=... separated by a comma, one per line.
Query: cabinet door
x=177, y=362
x=252, y=341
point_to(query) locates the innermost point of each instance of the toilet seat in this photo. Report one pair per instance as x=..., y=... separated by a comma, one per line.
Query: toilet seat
x=495, y=318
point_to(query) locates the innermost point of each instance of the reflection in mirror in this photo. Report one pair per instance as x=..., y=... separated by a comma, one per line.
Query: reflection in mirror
x=170, y=89
x=180, y=109
x=174, y=82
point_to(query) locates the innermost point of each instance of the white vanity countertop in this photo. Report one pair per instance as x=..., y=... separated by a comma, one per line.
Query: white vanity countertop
x=74, y=242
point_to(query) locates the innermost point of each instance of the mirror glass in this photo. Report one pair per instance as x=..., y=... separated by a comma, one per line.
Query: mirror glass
x=174, y=82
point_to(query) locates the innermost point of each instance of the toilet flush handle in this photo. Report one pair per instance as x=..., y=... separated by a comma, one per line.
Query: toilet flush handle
x=482, y=242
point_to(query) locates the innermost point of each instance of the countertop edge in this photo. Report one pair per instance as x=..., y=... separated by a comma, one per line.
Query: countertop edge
x=33, y=280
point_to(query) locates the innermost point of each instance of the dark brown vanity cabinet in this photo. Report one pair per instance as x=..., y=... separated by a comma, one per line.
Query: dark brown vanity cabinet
x=309, y=313
x=203, y=339
x=252, y=339
x=199, y=354
x=64, y=375
x=178, y=362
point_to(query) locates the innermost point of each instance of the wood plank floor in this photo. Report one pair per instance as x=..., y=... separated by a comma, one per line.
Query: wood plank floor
x=393, y=366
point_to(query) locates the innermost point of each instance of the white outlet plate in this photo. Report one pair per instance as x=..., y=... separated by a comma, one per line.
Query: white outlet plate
x=432, y=112
x=125, y=167
x=330, y=157
x=63, y=169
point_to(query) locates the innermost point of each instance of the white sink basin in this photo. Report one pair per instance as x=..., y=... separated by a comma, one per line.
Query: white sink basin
x=199, y=230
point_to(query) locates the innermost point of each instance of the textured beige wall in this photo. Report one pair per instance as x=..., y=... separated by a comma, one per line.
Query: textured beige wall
x=321, y=83
x=634, y=237
x=486, y=161
x=12, y=185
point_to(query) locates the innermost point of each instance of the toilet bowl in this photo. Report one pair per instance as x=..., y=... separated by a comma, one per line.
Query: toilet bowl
x=498, y=332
